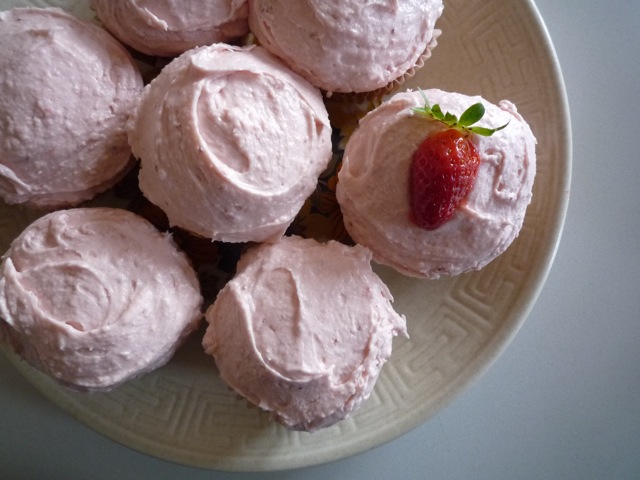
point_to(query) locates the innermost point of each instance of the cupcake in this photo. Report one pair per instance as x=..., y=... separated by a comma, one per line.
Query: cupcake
x=303, y=330
x=96, y=296
x=347, y=46
x=68, y=88
x=231, y=143
x=168, y=28
x=377, y=185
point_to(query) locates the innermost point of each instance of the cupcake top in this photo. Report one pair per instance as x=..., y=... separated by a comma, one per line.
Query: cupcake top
x=231, y=143
x=373, y=187
x=346, y=46
x=96, y=296
x=303, y=330
x=68, y=88
x=171, y=27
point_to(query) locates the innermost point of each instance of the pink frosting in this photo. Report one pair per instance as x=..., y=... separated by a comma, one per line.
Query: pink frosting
x=231, y=143
x=346, y=46
x=303, y=330
x=66, y=91
x=374, y=179
x=171, y=27
x=94, y=297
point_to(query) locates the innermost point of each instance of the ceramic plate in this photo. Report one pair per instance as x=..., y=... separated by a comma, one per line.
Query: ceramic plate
x=458, y=326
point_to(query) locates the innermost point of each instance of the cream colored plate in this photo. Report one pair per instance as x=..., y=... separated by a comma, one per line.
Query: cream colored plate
x=458, y=326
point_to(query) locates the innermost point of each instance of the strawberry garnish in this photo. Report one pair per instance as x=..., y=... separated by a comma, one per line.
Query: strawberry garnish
x=444, y=168
x=443, y=172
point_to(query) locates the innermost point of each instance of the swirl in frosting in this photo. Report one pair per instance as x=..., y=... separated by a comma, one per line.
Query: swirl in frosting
x=347, y=46
x=303, y=330
x=231, y=143
x=171, y=27
x=67, y=88
x=96, y=296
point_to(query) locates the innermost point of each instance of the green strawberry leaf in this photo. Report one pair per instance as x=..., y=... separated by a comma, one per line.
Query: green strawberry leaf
x=486, y=132
x=450, y=119
x=436, y=112
x=483, y=132
x=469, y=117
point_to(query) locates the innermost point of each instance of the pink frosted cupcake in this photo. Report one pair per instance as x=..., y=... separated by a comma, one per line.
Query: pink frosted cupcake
x=303, y=330
x=168, y=28
x=347, y=46
x=96, y=296
x=68, y=88
x=377, y=186
x=231, y=143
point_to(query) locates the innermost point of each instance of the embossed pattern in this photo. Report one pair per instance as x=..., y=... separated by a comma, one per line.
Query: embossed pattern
x=184, y=413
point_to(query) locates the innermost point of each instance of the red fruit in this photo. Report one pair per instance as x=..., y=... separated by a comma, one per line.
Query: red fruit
x=443, y=171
